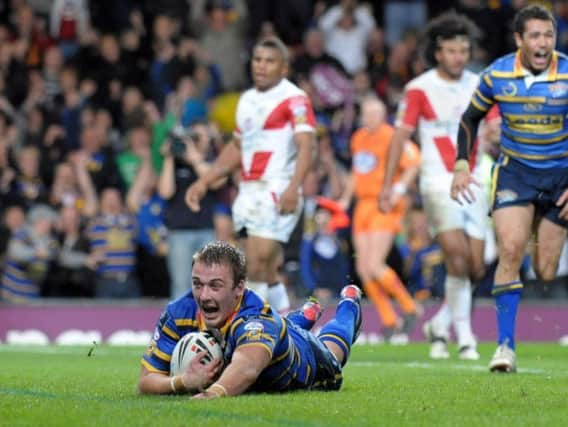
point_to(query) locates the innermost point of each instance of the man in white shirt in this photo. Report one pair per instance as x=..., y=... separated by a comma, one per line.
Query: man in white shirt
x=273, y=146
x=432, y=105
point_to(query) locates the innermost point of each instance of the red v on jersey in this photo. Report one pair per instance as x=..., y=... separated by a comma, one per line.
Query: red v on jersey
x=448, y=153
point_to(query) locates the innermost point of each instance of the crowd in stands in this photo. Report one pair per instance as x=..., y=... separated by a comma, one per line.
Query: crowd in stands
x=110, y=109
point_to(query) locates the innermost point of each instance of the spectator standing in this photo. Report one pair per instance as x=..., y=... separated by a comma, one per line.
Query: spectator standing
x=69, y=19
x=152, y=235
x=112, y=236
x=30, y=251
x=73, y=272
x=347, y=27
x=185, y=161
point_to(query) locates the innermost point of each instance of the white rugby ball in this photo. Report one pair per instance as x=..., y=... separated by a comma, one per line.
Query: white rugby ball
x=188, y=347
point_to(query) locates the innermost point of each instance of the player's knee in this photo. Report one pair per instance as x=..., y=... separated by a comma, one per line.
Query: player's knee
x=477, y=271
x=546, y=271
x=457, y=265
x=258, y=260
x=254, y=270
x=511, y=252
x=336, y=350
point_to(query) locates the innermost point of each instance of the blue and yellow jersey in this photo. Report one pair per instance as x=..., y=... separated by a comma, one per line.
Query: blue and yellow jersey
x=534, y=109
x=253, y=323
x=115, y=236
x=152, y=231
x=21, y=280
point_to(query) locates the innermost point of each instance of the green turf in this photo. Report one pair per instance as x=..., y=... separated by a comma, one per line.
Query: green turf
x=384, y=385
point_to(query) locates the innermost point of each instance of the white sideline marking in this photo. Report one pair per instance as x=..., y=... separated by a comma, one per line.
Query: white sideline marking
x=65, y=350
x=102, y=351
x=425, y=365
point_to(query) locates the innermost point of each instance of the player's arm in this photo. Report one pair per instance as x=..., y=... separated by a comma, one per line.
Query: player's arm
x=246, y=365
x=467, y=133
x=228, y=160
x=305, y=145
x=410, y=165
x=193, y=380
x=400, y=136
x=153, y=382
x=167, y=181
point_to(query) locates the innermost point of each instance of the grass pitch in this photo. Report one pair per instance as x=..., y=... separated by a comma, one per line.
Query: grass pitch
x=383, y=386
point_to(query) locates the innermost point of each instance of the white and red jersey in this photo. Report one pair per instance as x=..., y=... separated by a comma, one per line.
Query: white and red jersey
x=266, y=124
x=435, y=106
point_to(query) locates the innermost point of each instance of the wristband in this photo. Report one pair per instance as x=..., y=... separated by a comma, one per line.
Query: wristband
x=176, y=384
x=217, y=389
x=399, y=188
x=462, y=165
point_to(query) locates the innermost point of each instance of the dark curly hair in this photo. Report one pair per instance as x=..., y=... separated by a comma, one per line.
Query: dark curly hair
x=534, y=11
x=447, y=26
x=223, y=253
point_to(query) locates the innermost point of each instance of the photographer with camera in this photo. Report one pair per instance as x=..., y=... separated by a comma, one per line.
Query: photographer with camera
x=185, y=160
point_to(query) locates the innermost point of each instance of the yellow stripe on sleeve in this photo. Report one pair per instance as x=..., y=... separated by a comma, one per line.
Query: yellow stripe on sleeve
x=151, y=368
x=478, y=105
x=187, y=322
x=483, y=98
x=161, y=355
x=170, y=333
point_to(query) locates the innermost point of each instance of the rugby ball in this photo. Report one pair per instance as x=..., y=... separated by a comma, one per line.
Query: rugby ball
x=188, y=347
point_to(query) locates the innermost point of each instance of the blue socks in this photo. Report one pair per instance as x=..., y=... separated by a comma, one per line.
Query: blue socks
x=341, y=329
x=507, y=299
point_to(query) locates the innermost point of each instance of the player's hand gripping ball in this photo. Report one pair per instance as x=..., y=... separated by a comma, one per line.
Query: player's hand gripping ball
x=189, y=346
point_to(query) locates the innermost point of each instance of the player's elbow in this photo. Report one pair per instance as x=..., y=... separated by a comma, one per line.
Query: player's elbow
x=142, y=387
x=146, y=385
x=247, y=378
x=250, y=374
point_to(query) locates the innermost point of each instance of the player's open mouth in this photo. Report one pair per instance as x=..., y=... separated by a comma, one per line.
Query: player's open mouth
x=541, y=58
x=209, y=310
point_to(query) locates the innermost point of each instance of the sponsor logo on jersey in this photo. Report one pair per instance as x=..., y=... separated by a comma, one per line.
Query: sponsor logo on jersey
x=558, y=89
x=532, y=108
x=254, y=327
x=535, y=123
x=510, y=89
x=299, y=109
x=300, y=114
x=364, y=162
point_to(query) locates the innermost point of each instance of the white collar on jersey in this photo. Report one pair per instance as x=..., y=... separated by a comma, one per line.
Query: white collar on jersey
x=530, y=78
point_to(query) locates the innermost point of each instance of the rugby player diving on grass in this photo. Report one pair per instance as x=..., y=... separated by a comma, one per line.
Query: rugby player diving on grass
x=263, y=351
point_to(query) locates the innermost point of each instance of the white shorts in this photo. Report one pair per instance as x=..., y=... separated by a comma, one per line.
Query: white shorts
x=445, y=214
x=256, y=210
